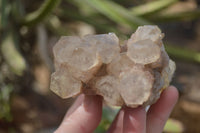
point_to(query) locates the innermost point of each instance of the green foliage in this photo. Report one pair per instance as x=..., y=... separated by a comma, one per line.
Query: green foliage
x=12, y=56
x=151, y=7
x=5, y=9
x=173, y=126
x=117, y=13
x=5, y=92
x=107, y=118
x=39, y=15
x=175, y=17
x=183, y=53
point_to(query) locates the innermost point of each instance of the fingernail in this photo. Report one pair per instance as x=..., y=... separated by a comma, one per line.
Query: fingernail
x=90, y=100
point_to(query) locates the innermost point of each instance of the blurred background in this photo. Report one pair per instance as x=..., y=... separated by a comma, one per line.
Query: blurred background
x=30, y=28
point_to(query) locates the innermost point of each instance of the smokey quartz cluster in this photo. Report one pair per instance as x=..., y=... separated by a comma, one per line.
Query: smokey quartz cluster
x=133, y=74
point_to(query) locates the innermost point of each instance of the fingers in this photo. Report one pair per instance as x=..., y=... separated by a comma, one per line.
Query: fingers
x=117, y=125
x=134, y=120
x=76, y=104
x=83, y=117
x=160, y=111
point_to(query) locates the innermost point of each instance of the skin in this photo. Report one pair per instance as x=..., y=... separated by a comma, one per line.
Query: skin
x=85, y=115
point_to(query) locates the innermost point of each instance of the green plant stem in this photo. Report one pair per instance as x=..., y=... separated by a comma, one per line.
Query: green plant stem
x=151, y=7
x=91, y=17
x=126, y=13
x=89, y=20
x=55, y=26
x=11, y=55
x=171, y=17
x=38, y=15
x=5, y=93
x=183, y=53
x=4, y=13
x=116, y=13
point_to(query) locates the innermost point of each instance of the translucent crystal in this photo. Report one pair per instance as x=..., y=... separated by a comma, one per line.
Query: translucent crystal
x=136, y=86
x=63, y=84
x=148, y=32
x=131, y=74
x=157, y=88
x=167, y=73
x=143, y=52
x=108, y=87
x=83, y=64
x=65, y=47
x=79, y=55
x=104, y=43
x=162, y=61
x=120, y=64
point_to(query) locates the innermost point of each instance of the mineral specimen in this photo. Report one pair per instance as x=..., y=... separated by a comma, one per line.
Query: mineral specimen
x=133, y=74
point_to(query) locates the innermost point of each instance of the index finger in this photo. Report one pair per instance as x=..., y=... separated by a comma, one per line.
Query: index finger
x=85, y=118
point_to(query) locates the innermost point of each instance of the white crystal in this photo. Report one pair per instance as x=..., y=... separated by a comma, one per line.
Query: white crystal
x=133, y=74
x=120, y=64
x=143, y=52
x=148, y=32
x=64, y=85
x=136, y=86
x=104, y=43
x=108, y=87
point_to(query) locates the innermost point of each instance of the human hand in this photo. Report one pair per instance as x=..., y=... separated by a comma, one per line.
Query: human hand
x=85, y=115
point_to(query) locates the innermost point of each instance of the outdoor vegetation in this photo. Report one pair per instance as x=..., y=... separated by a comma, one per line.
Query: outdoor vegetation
x=30, y=28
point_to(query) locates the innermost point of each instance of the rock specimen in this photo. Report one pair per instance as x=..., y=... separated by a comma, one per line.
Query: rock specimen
x=134, y=74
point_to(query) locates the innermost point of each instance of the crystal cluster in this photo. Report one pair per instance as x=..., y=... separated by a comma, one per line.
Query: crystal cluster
x=133, y=74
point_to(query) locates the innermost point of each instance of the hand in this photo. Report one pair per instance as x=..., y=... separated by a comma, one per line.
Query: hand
x=85, y=115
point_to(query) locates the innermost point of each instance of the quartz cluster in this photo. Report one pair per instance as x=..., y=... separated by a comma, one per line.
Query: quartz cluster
x=133, y=74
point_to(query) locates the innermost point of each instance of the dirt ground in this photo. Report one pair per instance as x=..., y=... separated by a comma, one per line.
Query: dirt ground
x=187, y=110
